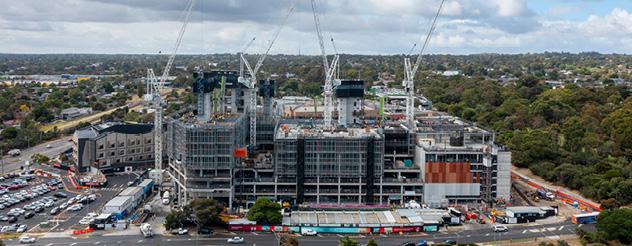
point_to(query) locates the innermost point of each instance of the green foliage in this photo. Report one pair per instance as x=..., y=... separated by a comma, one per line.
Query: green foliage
x=39, y=158
x=286, y=240
x=616, y=225
x=346, y=241
x=177, y=218
x=371, y=242
x=265, y=212
x=10, y=133
x=207, y=212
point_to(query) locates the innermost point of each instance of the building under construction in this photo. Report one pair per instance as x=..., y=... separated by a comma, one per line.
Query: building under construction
x=444, y=160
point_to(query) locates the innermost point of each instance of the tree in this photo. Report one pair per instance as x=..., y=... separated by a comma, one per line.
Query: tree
x=346, y=241
x=265, y=212
x=10, y=133
x=177, y=218
x=42, y=114
x=39, y=158
x=371, y=242
x=286, y=240
x=616, y=225
x=207, y=212
x=107, y=87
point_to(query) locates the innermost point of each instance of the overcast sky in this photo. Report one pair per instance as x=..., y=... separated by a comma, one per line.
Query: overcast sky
x=357, y=26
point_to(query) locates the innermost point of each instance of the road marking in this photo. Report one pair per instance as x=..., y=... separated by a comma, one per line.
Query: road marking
x=139, y=241
x=551, y=229
x=487, y=235
x=254, y=233
x=95, y=243
x=73, y=244
x=232, y=233
x=561, y=227
x=169, y=240
x=534, y=230
x=468, y=236
x=382, y=235
x=318, y=235
x=49, y=244
x=339, y=235
x=525, y=231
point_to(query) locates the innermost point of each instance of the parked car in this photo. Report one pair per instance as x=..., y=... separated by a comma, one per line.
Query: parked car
x=22, y=228
x=12, y=219
x=75, y=207
x=29, y=215
x=27, y=239
x=61, y=195
x=54, y=211
x=179, y=231
x=236, y=240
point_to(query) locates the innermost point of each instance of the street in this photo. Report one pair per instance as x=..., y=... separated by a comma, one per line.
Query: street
x=523, y=233
x=57, y=146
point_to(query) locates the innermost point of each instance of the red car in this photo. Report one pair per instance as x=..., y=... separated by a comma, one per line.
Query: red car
x=14, y=187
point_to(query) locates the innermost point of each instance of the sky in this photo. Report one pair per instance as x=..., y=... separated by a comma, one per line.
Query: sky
x=356, y=26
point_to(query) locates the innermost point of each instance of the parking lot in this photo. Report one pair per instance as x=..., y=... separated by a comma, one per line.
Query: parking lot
x=27, y=200
x=25, y=204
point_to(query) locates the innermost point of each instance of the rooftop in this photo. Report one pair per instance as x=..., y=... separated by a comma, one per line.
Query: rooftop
x=293, y=131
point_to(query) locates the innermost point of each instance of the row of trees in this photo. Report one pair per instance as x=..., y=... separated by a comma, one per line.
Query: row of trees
x=206, y=213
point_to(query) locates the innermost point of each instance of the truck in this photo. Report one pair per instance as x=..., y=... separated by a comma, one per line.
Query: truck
x=14, y=152
x=166, y=198
x=544, y=194
x=145, y=229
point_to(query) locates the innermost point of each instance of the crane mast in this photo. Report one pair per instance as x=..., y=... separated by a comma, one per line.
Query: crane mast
x=251, y=82
x=330, y=72
x=410, y=70
x=156, y=85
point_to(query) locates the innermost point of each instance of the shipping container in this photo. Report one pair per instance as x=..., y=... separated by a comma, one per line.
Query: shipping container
x=118, y=205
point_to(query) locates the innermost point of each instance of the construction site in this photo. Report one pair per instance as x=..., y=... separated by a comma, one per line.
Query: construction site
x=234, y=149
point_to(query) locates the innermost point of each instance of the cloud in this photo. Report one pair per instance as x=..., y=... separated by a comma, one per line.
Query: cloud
x=358, y=26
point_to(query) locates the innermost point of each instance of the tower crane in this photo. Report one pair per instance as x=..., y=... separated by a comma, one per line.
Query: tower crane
x=251, y=81
x=330, y=72
x=410, y=70
x=153, y=95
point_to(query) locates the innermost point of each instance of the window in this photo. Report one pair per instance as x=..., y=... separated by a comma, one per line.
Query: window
x=101, y=155
x=100, y=146
x=118, y=160
x=112, y=153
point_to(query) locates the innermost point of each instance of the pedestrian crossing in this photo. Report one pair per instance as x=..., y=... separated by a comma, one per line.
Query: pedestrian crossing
x=110, y=189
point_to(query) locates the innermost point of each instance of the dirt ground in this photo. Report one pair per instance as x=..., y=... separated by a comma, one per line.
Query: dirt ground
x=565, y=210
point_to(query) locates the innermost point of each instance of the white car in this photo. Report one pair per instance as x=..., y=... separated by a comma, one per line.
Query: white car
x=22, y=228
x=236, y=240
x=180, y=231
x=500, y=228
x=309, y=232
x=86, y=221
x=27, y=239
x=75, y=207
x=48, y=146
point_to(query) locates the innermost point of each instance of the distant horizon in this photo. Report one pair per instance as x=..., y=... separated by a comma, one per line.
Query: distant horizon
x=353, y=54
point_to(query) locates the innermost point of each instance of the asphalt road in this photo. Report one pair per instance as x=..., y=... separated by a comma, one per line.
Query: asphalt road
x=523, y=233
x=57, y=146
